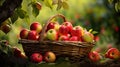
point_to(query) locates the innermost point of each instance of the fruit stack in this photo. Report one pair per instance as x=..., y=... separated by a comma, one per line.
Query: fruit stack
x=62, y=39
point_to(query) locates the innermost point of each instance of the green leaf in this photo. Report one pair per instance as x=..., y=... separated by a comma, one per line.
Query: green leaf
x=35, y=11
x=90, y=30
x=59, y=4
x=14, y=17
x=110, y=1
x=94, y=32
x=48, y=3
x=27, y=18
x=55, y=2
x=21, y=13
x=116, y=7
x=65, y=5
x=1, y=2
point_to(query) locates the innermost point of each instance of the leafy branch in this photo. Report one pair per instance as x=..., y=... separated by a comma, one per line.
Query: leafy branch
x=116, y=4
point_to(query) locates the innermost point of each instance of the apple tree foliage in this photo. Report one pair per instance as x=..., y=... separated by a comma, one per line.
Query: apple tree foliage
x=19, y=12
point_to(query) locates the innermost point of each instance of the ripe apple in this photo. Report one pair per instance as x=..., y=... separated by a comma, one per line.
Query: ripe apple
x=36, y=57
x=63, y=38
x=94, y=56
x=6, y=28
x=49, y=57
x=32, y=35
x=24, y=33
x=38, y=5
x=36, y=26
x=16, y=52
x=77, y=31
x=65, y=28
x=96, y=38
x=73, y=38
x=112, y=53
x=88, y=37
x=53, y=25
x=52, y=34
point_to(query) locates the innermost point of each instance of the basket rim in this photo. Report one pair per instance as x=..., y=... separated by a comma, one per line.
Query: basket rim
x=72, y=43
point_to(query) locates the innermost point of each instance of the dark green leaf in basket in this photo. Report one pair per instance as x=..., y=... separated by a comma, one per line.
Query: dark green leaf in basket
x=65, y=5
x=35, y=11
x=21, y=13
x=14, y=17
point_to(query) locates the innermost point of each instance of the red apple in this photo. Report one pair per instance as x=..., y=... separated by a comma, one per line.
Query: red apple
x=65, y=28
x=6, y=28
x=94, y=56
x=36, y=26
x=88, y=37
x=53, y=25
x=52, y=34
x=49, y=57
x=16, y=52
x=73, y=38
x=36, y=57
x=77, y=31
x=112, y=53
x=63, y=38
x=38, y=5
x=96, y=38
x=32, y=35
x=24, y=33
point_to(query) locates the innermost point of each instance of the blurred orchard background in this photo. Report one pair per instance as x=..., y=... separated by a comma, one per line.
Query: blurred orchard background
x=99, y=15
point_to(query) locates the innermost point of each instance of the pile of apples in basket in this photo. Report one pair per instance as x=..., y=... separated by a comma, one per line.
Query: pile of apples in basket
x=56, y=32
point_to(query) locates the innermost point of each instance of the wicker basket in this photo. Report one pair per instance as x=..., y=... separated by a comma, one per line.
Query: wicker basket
x=71, y=49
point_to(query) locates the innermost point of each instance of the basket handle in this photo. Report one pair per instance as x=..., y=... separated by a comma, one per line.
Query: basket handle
x=45, y=26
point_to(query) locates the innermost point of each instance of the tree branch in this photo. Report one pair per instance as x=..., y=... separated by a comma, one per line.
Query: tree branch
x=7, y=9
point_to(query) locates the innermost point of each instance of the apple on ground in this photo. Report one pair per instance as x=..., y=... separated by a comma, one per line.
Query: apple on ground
x=24, y=33
x=94, y=56
x=87, y=37
x=63, y=38
x=112, y=53
x=77, y=31
x=36, y=26
x=36, y=57
x=65, y=28
x=53, y=25
x=32, y=35
x=52, y=34
x=49, y=57
x=73, y=38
